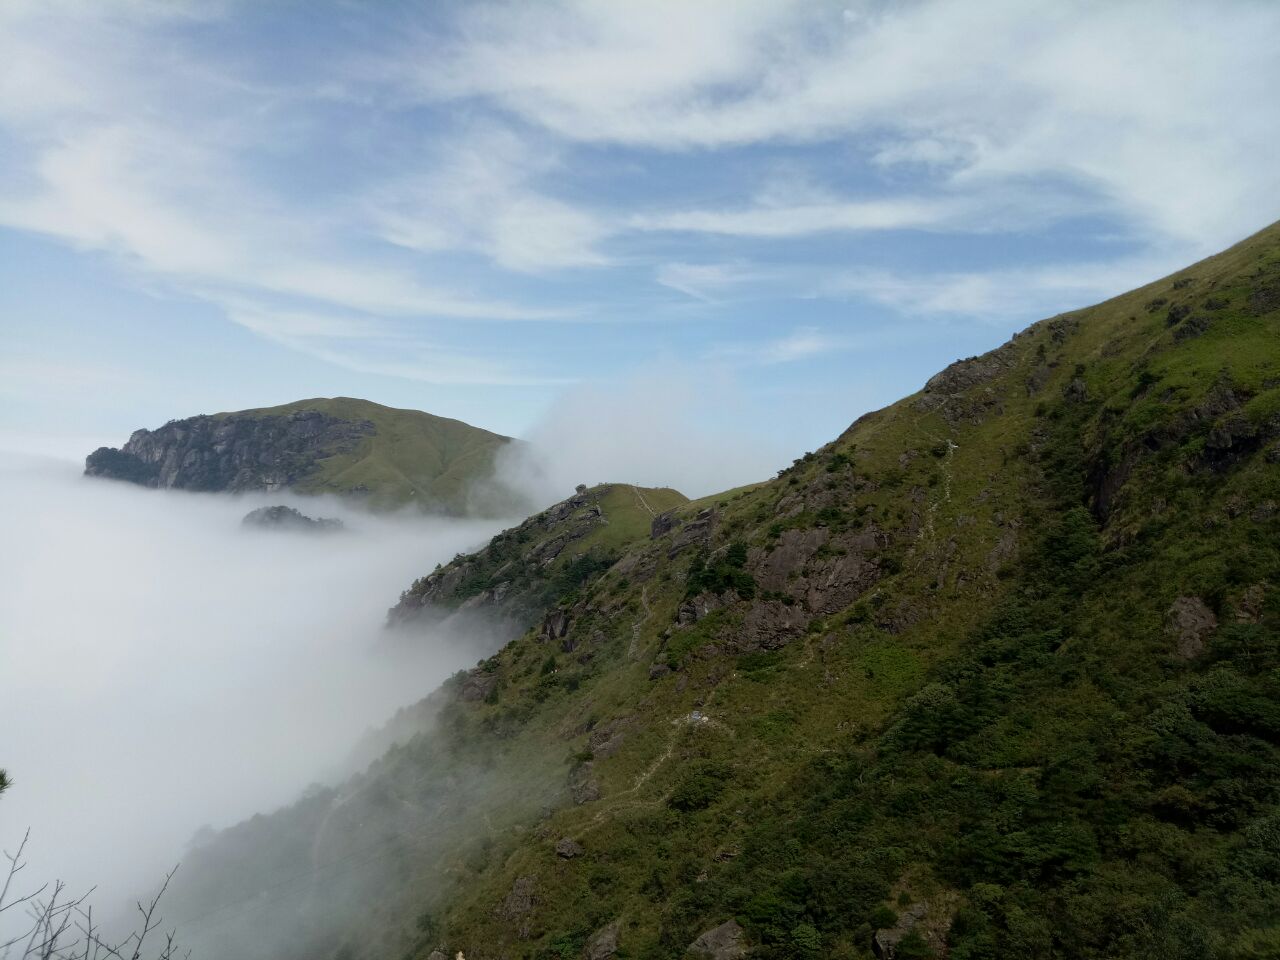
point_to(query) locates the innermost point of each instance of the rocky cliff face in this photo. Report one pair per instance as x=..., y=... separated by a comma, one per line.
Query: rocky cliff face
x=231, y=453
x=388, y=458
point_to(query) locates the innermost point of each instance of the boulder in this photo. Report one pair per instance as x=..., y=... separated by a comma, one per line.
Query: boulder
x=555, y=625
x=1076, y=391
x=1265, y=298
x=603, y=944
x=930, y=925
x=663, y=524
x=697, y=532
x=567, y=848
x=585, y=792
x=520, y=900
x=1248, y=608
x=1189, y=621
x=724, y=942
x=478, y=685
x=884, y=943
x=606, y=739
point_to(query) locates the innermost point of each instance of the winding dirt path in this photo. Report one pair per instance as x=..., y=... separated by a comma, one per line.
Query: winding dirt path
x=643, y=502
x=634, y=647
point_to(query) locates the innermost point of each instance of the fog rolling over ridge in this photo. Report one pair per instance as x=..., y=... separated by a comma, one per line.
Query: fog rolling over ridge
x=666, y=426
x=167, y=670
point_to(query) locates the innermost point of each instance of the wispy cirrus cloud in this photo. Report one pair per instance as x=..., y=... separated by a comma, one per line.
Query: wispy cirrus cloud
x=802, y=343
x=106, y=158
x=711, y=282
x=995, y=296
x=1164, y=127
x=779, y=221
x=479, y=194
x=381, y=346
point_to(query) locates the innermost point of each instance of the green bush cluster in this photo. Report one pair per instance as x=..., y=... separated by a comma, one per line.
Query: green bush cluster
x=722, y=574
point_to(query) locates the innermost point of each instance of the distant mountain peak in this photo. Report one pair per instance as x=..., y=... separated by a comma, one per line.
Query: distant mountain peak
x=383, y=456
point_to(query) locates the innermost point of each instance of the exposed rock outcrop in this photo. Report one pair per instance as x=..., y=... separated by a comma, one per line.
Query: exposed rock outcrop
x=694, y=533
x=1190, y=621
x=663, y=524
x=916, y=919
x=385, y=457
x=567, y=848
x=603, y=944
x=478, y=685
x=962, y=392
x=229, y=453
x=519, y=902
x=725, y=942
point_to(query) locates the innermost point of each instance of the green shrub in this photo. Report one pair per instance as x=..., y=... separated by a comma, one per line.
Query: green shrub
x=698, y=787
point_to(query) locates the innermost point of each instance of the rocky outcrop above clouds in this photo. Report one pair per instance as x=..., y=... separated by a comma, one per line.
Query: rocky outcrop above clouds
x=229, y=453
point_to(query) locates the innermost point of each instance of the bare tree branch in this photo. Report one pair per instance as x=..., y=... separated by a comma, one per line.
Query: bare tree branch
x=64, y=929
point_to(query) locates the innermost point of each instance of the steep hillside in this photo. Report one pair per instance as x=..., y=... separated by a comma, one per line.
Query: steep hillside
x=538, y=568
x=361, y=862
x=994, y=674
x=383, y=456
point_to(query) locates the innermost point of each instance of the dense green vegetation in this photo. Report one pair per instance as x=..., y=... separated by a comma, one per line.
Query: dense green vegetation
x=998, y=726
x=994, y=674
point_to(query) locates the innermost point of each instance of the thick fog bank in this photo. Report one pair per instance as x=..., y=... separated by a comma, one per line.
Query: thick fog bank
x=164, y=669
x=666, y=427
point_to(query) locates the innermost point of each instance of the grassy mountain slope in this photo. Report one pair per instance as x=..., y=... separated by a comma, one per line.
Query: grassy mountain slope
x=541, y=565
x=994, y=674
x=347, y=871
x=384, y=457
x=410, y=456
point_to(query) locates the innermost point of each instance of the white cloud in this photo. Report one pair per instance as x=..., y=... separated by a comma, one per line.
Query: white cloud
x=1001, y=295
x=200, y=225
x=155, y=168
x=1025, y=294
x=380, y=346
x=1159, y=109
x=478, y=192
x=594, y=69
x=286, y=325
x=132, y=683
x=668, y=425
x=794, y=221
x=709, y=282
x=803, y=343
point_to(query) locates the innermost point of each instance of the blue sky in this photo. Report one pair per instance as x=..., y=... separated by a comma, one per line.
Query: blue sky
x=783, y=213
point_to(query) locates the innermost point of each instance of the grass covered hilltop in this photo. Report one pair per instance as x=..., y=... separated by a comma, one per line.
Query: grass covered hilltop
x=994, y=674
x=384, y=456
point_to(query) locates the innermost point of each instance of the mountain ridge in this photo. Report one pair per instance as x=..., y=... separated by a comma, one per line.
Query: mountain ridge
x=384, y=457
x=992, y=674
